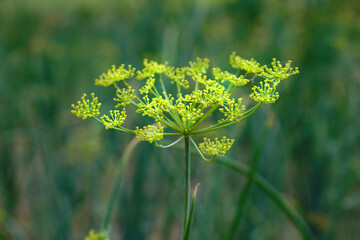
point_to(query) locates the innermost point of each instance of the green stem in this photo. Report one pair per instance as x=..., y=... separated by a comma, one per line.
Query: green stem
x=222, y=125
x=205, y=116
x=187, y=184
x=191, y=214
x=169, y=145
x=172, y=134
x=200, y=153
x=116, y=187
x=275, y=196
x=173, y=114
x=120, y=128
x=170, y=124
x=245, y=193
x=162, y=86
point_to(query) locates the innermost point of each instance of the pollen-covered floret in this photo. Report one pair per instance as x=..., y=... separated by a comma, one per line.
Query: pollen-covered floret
x=124, y=96
x=222, y=76
x=232, y=110
x=114, y=75
x=217, y=147
x=116, y=120
x=178, y=76
x=155, y=107
x=277, y=71
x=188, y=112
x=148, y=86
x=96, y=236
x=151, y=68
x=250, y=66
x=85, y=108
x=198, y=67
x=150, y=133
x=266, y=93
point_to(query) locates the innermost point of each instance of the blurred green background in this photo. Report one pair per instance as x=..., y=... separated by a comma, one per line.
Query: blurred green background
x=56, y=171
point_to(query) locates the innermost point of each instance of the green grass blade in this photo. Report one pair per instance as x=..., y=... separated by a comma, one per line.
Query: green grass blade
x=274, y=195
x=191, y=213
x=116, y=187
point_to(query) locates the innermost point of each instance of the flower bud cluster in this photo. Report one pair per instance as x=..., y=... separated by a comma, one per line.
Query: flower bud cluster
x=232, y=110
x=150, y=133
x=250, y=66
x=198, y=67
x=148, y=86
x=277, y=71
x=85, y=108
x=218, y=147
x=266, y=93
x=116, y=120
x=114, y=75
x=226, y=76
x=178, y=77
x=124, y=96
x=151, y=68
x=96, y=235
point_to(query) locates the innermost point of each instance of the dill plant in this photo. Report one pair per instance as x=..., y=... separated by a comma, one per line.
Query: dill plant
x=198, y=93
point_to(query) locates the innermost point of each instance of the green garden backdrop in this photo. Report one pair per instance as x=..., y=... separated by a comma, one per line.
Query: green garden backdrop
x=56, y=172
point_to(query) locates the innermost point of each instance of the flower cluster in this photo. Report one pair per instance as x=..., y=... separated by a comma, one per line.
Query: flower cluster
x=116, y=120
x=151, y=68
x=85, y=109
x=218, y=147
x=179, y=109
x=114, y=75
x=96, y=236
x=250, y=66
x=124, y=96
x=233, y=79
x=150, y=133
x=266, y=92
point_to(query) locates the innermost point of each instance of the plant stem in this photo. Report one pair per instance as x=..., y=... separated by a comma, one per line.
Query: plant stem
x=191, y=214
x=187, y=183
x=116, y=187
x=222, y=125
x=275, y=196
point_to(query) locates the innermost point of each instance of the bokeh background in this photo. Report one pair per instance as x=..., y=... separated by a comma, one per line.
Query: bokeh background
x=56, y=171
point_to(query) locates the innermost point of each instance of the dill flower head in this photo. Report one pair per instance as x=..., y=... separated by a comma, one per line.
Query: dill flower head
x=96, y=235
x=85, y=108
x=181, y=99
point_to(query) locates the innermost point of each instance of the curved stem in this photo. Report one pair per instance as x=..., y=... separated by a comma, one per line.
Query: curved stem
x=202, y=156
x=169, y=145
x=275, y=196
x=116, y=187
x=120, y=128
x=187, y=184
